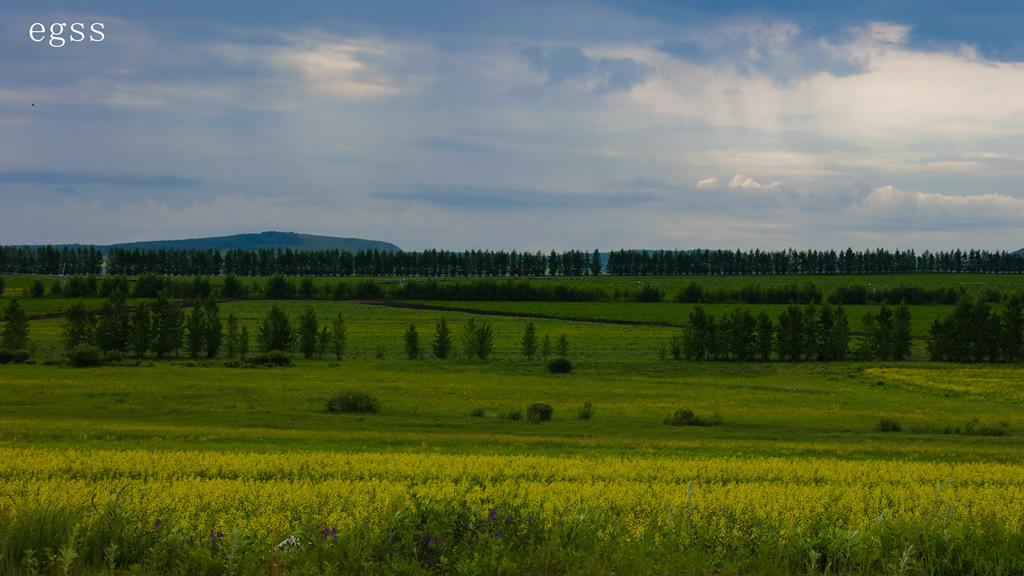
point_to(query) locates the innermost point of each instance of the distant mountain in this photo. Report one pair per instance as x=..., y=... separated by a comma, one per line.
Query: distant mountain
x=272, y=240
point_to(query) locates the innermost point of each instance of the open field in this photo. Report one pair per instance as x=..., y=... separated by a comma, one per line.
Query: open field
x=193, y=467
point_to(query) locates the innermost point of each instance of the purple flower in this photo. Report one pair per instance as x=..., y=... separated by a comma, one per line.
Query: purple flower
x=157, y=523
x=492, y=514
x=326, y=532
x=216, y=536
x=508, y=518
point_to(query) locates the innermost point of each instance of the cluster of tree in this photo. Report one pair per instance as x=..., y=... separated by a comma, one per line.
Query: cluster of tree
x=974, y=333
x=775, y=293
x=163, y=329
x=309, y=338
x=49, y=260
x=799, y=333
x=878, y=261
x=15, y=335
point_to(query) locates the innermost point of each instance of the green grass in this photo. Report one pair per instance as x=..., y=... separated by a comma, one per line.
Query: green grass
x=789, y=409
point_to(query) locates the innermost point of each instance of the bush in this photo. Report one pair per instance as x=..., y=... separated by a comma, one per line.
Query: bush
x=585, y=411
x=352, y=401
x=272, y=358
x=85, y=355
x=113, y=356
x=511, y=414
x=15, y=356
x=539, y=412
x=560, y=366
x=477, y=412
x=686, y=417
x=889, y=425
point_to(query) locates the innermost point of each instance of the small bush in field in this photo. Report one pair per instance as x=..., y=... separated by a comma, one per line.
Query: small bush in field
x=85, y=355
x=585, y=411
x=539, y=412
x=889, y=425
x=686, y=417
x=353, y=401
x=560, y=366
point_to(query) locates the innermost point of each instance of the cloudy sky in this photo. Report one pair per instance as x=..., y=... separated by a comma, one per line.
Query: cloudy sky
x=521, y=124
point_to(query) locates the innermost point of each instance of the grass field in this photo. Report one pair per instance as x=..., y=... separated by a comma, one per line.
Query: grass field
x=179, y=466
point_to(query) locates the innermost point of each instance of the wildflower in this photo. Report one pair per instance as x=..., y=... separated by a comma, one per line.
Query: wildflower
x=157, y=523
x=492, y=514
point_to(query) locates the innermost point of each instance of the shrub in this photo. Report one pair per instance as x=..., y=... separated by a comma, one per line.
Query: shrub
x=560, y=366
x=585, y=411
x=113, y=356
x=511, y=414
x=889, y=425
x=272, y=358
x=686, y=417
x=477, y=412
x=6, y=356
x=85, y=355
x=539, y=412
x=352, y=401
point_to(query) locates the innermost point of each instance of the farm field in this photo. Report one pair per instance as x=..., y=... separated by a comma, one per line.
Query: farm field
x=193, y=466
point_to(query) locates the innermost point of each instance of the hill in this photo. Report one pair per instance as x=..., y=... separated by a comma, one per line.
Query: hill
x=272, y=240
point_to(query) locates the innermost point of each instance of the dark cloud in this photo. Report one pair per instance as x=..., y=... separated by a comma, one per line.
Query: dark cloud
x=486, y=198
x=70, y=178
x=565, y=63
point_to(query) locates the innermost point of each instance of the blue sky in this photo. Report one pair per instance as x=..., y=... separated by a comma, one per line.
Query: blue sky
x=518, y=125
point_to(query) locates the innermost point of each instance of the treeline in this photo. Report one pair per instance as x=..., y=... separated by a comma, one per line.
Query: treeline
x=799, y=333
x=280, y=287
x=878, y=261
x=49, y=260
x=474, y=263
x=436, y=263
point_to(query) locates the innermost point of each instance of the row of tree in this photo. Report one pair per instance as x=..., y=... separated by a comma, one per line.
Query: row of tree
x=973, y=332
x=799, y=333
x=849, y=261
x=444, y=263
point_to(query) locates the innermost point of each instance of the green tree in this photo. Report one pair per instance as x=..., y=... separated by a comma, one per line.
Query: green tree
x=231, y=341
x=412, y=342
x=38, y=289
x=764, y=340
x=529, y=341
x=338, y=337
x=469, y=338
x=789, y=334
x=78, y=326
x=2, y=285
x=141, y=335
x=168, y=326
x=562, y=345
x=441, y=345
x=16, y=331
x=113, y=328
x=275, y=332
x=699, y=336
x=833, y=333
x=484, y=340
x=195, y=340
x=545, y=347
x=323, y=342
x=309, y=329
x=738, y=330
x=243, y=341
x=214, y=328
x=1012, y=328
x=901, y=339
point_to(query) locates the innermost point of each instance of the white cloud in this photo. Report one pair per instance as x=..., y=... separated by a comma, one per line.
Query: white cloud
x=343, y=68
x=738, y=181
x=707, y=183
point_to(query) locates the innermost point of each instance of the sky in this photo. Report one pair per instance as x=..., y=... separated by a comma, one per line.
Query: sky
x=516, y=125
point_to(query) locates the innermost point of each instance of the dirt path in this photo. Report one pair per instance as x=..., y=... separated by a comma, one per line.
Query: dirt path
x=509, y=314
